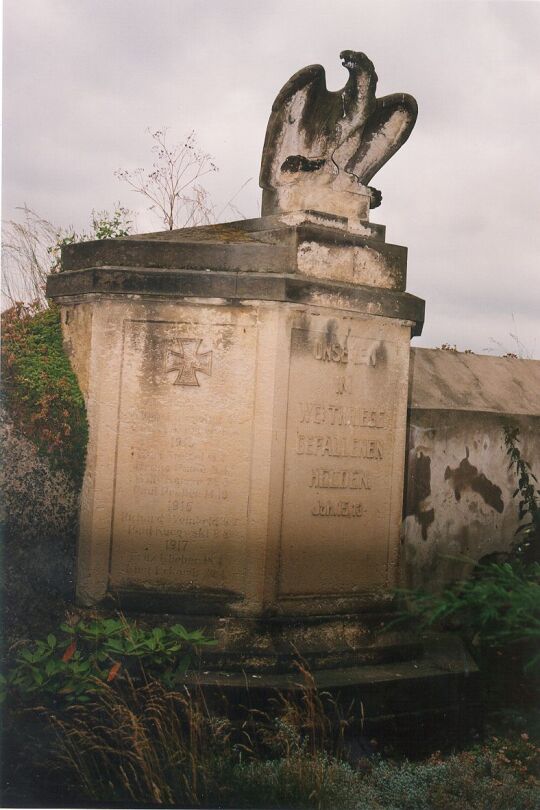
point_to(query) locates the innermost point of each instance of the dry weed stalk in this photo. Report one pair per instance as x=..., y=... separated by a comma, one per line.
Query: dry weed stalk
x=142, y=744
x=148, y=744
x=304, y=721
x=27, y=257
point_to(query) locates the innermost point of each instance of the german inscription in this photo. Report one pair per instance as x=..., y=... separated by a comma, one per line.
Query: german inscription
x=338, y=460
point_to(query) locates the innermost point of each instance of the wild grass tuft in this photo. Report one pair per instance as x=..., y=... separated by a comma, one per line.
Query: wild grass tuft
x=151, y=746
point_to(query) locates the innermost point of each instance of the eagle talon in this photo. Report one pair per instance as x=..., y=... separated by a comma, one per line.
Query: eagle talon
x=299, y=163
x=375, y=197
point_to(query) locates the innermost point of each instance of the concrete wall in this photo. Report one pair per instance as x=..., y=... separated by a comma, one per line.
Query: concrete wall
x=458, y=499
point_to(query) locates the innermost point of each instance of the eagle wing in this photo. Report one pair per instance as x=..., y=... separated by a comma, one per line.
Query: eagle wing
x=385, y=131
x=286, y=118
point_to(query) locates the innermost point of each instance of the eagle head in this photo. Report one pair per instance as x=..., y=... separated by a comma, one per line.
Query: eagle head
x=357, y=62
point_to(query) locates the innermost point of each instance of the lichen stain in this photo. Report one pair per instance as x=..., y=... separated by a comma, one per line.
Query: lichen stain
x=225, y=338
x=379, y=354
x=298, y=163
x=466, y=476
x=331, y=330
x=222, y=232
x=303, y=337
x=418, y=490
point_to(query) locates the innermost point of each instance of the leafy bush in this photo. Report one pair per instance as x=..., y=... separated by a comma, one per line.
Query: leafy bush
x=76, y=663
x=500, y=605
x=104, y=226
x=39, y=389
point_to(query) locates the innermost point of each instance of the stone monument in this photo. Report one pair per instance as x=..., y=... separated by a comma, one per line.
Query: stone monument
x=246, y=387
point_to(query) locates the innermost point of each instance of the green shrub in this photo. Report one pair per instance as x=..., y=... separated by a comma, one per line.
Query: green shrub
x=75, y=663
x=39, y=389
x=499, y=605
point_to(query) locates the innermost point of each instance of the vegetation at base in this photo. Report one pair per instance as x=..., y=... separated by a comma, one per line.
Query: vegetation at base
x=149, y=746
x=40, y=390
x=483, y=779
x=73, y=664
x=500, y=605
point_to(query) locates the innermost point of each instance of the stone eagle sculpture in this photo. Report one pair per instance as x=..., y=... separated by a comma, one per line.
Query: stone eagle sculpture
x=321, y=147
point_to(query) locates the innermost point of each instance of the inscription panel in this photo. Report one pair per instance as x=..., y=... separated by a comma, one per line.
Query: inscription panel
x=338, y=460
x=183, y=456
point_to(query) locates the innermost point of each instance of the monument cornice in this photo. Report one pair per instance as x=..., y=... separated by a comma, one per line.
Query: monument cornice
x=266, y=245
x=235, y=287
x=306, y=257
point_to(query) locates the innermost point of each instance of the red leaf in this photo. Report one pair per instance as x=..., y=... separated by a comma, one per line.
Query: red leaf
x=69, y=651
x=113, y=672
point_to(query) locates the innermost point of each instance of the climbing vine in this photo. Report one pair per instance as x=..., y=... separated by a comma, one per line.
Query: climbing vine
x=527, y=546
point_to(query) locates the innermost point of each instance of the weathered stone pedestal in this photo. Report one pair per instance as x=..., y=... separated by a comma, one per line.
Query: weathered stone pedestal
x=246, y=388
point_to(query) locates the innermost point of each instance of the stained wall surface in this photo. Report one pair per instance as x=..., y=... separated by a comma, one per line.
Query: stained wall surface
x=458, y=491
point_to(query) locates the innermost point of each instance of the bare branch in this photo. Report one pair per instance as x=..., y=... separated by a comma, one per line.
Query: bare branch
x=171, y=185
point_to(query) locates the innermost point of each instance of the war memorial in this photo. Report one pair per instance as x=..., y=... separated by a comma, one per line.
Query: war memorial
x=255, y=409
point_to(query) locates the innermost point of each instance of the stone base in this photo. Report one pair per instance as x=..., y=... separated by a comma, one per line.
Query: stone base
x=246, y=389
x=245, y=458
x=418, y=693
x=276, y=645
x=432, y=699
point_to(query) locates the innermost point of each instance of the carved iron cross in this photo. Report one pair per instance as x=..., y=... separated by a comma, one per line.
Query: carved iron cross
x=190, y=362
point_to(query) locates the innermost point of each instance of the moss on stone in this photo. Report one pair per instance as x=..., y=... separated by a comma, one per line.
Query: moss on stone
x=39, y=389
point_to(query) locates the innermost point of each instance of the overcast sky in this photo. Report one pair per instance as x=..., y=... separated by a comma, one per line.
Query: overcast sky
x=84, y=79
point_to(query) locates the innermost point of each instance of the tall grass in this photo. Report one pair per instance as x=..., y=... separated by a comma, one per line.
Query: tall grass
x=143, y=745
x=152, y=746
